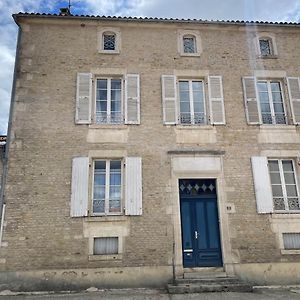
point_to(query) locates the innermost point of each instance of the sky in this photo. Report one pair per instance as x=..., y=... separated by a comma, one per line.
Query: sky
x=251, y=10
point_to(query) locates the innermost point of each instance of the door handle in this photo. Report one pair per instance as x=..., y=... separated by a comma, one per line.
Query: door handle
x=196, y=234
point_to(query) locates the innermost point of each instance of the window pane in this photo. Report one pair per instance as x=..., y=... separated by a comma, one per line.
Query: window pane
x=275, y=178
x=278, y=108
x=273, y=165
x=101, y=94
x=263, y=97
x=116, y=106
x=265, y=107
x=184, y=96
x=105, y=246
x=116, y=84
x=99, y=179
x=291, y=190
x=115, y=165
x=287, y=165
x=99, y=192
x=277, y=190
x=116, y=95
x=115, y=192
x=267, y=118
x=114, y=206
x=99, y=206
x=275, y=87
x=199, y=107
x=183, y=85
x=185, y=107
x=197, y=85
x=100, y=164
x=289, y=178
x=101, y=106
x=262, y=86
x=102, y=84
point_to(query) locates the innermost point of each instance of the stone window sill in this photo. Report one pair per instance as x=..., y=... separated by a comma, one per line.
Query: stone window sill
x=289, y=252
x=286, y=215
x=109, y=51
x=105, y=257
x=189, y=54
x=197, y=127
x=277, y=127
x=267, y=56
x=108, y=126
x=115, y=218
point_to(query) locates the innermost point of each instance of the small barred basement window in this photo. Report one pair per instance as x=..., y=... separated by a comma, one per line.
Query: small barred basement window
x=291, y=241
x=105, y=246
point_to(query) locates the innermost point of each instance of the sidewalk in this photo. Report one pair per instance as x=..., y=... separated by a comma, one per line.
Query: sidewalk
x=152, y=294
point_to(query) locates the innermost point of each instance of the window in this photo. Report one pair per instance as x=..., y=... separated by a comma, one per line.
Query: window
x=271, y=102
x=109, y=101
x=185, y=102
x=189, y=44
x=284, y=185
x=107, y=189
x=105, y=245
x=109, y=41
x=291, y=241
x=114, y=100
x=265, y=47
x=192, y=102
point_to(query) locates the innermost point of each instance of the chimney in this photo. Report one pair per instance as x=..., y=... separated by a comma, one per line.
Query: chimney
x=65, y=11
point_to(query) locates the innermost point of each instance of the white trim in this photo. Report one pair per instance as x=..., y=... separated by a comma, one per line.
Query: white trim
x=2, y=223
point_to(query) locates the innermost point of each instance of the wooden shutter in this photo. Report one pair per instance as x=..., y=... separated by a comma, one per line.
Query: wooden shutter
x=133, y=186
x=132, y=99
x=216, y=100
x=262, y=184
x=251, y=100
x=79, y=196
x=170, y=115
x=83, y=98
x=294, y=95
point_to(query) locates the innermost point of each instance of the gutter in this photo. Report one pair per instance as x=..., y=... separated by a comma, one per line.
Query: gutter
x=8, y=139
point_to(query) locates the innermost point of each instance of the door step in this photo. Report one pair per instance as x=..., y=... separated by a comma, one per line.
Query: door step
x=208, y=283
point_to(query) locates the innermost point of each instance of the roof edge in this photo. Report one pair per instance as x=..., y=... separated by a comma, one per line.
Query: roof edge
x=150, y=19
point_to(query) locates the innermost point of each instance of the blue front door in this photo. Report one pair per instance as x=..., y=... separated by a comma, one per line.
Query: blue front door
x=200, y=224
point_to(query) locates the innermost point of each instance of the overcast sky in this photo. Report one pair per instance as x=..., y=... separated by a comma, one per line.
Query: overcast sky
x=262, y=10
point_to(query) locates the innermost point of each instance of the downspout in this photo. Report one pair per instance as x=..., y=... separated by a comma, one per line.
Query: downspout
x=8, y=139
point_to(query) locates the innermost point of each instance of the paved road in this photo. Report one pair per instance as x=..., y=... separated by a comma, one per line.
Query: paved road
x=146, y=294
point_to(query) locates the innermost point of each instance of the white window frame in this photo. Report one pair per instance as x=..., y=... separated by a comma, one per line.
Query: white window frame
x=189, y=33
x=109, y=30
x=107, y=186
x=108, y=112
x=191, y=98
x=283, y=184
x=269, y=81
x=272, y=43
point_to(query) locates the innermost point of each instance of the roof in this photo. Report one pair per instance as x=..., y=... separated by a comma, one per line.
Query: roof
x=149, y=19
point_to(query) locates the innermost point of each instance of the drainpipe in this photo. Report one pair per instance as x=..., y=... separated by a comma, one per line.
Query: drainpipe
x=8, y=139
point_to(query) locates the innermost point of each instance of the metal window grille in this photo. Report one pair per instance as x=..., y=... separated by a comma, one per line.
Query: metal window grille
x=189, y=44
x=105, y=246
x=109, y=42
x=291, y=241
x=265, y=47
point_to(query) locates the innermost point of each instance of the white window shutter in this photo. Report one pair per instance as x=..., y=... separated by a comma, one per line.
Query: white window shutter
x=251, y=100
x=79, y=196
x=83, y=98
x=216, y=100
x=262, y=184
x=170, y=115
x=294, y=95
x=132, y=99
x=133, y=186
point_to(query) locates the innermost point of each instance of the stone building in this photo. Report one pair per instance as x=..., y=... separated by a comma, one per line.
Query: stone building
x=140, y=149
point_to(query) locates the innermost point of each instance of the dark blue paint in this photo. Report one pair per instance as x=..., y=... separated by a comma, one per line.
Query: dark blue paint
x=200, y=213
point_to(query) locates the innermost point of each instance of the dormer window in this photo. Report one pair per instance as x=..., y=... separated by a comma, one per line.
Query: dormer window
x=189, y=44
x=109, y=41
x=265, y=46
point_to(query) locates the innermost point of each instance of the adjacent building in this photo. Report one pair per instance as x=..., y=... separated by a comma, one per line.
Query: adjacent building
x=143, y=148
